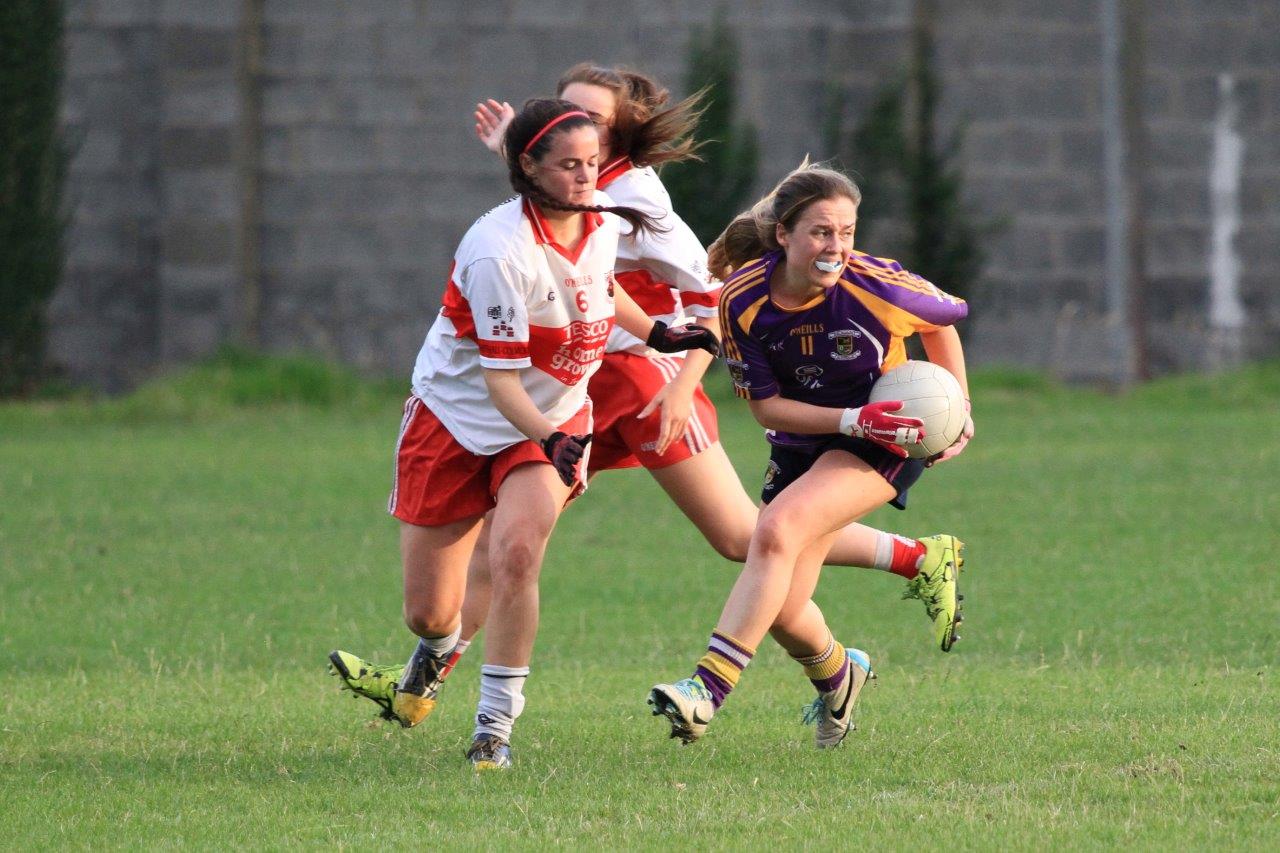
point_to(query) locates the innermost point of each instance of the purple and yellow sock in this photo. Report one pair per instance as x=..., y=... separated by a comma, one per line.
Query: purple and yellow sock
x=722, y=665
x=828, y=669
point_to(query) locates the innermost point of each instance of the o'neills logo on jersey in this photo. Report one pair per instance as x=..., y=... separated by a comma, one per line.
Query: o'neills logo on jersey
x=568, y=353
x=578, y=281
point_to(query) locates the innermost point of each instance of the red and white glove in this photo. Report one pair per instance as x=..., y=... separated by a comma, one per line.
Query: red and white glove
x=955, y=450
x=565, y=452
x=874, y=423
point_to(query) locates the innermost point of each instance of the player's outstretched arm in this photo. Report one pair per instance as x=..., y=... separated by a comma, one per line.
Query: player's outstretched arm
x=657, y=334
x=676, y=397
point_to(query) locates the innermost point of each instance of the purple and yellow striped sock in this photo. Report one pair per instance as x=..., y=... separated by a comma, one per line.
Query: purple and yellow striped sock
x=722, y=665
x=827, y=670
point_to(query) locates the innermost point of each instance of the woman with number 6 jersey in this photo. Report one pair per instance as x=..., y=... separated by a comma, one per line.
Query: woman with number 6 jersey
x=499, y=418
x=809, y=325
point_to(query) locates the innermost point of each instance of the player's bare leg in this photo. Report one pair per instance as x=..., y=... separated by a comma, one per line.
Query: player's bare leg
x=787, y=549
x=838, y=489
x=707, y=490
x=529, y=502
x=475, y=607
x=435, y=578
x=800, y=627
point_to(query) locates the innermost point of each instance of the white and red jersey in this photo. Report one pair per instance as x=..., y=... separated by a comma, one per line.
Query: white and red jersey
x=665, y=272
x=518, y=300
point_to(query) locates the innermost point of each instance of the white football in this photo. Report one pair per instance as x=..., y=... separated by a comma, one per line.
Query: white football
x=930, y=393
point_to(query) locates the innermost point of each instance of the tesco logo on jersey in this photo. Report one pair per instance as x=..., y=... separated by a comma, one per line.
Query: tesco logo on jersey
x=584, y=330
x=568, y=353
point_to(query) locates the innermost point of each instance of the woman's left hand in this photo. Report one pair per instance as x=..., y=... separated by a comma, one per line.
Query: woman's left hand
x=685, y=336
x=677, y=406
x=956, y=449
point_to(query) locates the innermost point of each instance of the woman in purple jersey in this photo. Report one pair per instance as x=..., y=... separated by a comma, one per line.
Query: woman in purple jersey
x=808, y=326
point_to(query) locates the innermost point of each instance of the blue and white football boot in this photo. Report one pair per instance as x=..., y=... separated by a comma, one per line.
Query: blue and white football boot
x=687, y=706
x=833, y=710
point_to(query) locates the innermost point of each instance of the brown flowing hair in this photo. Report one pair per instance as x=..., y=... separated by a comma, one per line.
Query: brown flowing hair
x=644, y=128
x=532, y=119
x=753, y=232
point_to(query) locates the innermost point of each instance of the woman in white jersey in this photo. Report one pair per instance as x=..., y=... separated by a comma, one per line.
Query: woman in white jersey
x=499, y=419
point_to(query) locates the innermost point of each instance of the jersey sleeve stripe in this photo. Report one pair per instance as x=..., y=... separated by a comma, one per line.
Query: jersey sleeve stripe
x=901, y=278
x=457, y=309
x=689, y=298
x=899, y=322
x=747, y=317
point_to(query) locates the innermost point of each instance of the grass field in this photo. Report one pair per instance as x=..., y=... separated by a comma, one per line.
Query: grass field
x=175, y=567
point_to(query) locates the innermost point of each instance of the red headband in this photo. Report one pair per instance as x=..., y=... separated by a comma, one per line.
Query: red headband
x=551, y=124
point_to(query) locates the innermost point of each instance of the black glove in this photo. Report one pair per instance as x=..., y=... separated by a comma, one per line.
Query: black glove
x=565, y=452
x=666, y=338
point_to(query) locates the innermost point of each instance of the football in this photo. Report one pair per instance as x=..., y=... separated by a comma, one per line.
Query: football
x=930, y=393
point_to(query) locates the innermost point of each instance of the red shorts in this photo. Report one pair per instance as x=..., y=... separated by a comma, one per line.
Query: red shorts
x=624, y=384
x=438, y=481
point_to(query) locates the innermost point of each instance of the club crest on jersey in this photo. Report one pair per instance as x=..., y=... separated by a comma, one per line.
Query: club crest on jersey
x=844, y=339
x=807, y=375
x=738, y=370
x=612, y=282
x=771, y=470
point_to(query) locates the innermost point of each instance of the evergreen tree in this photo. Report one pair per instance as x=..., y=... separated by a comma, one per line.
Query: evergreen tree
x=707, y=194
x=32, y=163
x=906, y=173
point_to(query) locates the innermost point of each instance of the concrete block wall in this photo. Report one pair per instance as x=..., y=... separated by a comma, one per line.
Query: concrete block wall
x=1025, y=77
x=369, y=173
x=151, y=108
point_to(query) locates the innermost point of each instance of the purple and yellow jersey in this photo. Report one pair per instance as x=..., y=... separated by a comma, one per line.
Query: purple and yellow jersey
x=830, y=351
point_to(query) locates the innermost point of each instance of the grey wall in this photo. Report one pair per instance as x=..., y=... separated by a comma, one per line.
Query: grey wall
x=368, y=172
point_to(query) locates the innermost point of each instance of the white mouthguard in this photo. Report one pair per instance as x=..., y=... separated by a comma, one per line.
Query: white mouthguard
x=828, y=266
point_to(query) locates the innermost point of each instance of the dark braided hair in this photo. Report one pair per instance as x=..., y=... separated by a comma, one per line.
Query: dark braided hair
x=528, y=123
x=642, y=129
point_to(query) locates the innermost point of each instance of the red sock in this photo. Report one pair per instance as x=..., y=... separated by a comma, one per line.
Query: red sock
x=906, y=556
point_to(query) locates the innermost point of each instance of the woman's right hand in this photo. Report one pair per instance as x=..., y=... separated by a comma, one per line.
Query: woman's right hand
x=876, y=422
x=492, y=119
x=564, y=452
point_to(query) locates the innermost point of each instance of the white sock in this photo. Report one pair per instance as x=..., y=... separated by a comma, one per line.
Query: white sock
x=501, y=699
x=438, y=647
x=460, y=647
x=884, y=551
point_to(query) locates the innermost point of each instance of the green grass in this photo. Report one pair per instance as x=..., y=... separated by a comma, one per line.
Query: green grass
x=175, y=566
